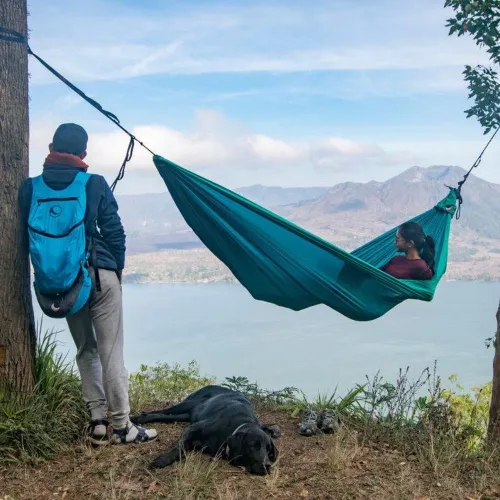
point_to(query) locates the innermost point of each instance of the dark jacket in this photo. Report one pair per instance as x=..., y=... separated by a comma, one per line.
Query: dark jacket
x=102, y=212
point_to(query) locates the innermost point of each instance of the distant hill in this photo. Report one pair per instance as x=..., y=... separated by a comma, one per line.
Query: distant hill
x=153, y=222
x=366, y=209
x=347, y=214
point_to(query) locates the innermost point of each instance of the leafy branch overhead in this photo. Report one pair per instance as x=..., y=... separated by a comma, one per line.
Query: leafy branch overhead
x=481, y=20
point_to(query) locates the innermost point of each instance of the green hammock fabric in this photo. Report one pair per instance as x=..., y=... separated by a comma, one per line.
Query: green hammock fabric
x=281, y=263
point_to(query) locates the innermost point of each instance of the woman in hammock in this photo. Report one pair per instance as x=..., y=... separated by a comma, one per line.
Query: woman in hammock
x=418, y=261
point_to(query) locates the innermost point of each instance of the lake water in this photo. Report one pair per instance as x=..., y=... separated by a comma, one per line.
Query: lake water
x=229, y=333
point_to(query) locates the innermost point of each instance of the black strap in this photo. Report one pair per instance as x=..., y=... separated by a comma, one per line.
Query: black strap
x=128, y=157
x=12, y=36
x=16, y=37
x=476, y=164
x=94, y=262
x=94, y=423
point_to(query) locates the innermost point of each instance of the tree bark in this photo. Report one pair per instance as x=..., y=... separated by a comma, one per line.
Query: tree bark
x=494, y=417
x=17, y=327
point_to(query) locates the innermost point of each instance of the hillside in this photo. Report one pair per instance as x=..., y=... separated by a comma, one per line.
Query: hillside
x=342, y=466
x=347, y=214
x=153, y=222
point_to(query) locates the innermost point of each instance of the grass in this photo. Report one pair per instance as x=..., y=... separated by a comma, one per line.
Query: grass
x=344, y=449
x=160, y=384
x=49, y=420
x=407, y=439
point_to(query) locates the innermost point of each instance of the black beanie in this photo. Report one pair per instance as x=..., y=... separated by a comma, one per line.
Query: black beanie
x=70, y=138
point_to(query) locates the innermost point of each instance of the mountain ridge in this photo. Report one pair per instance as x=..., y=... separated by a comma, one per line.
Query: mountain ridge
x=347, y=214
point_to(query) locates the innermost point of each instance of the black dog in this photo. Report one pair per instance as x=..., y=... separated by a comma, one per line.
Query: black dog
x=223, y=423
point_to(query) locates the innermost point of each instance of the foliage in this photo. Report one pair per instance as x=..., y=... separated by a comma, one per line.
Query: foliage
x=285, y=397
x=162, y=383
x=481, y=20
x=397, y=403
x=422, y=416
x=470, y=410
x=41, y=425
x=418, y=415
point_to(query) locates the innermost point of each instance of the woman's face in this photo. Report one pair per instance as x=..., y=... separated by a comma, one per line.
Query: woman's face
x=401, y=244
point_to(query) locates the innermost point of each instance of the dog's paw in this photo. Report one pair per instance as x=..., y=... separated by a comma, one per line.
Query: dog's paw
x=136, y=419
x=273, y=430
x=164, y=460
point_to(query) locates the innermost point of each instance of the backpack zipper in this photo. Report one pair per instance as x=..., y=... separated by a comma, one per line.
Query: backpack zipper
x=48, y=200
x=43, y=233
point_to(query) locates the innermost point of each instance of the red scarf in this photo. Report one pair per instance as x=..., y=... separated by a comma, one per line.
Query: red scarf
x=65, y=159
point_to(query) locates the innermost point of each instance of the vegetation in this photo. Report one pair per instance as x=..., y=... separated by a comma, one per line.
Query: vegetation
x=480, y=19
x=159, y=384
x=438, y=432
x=44, y=422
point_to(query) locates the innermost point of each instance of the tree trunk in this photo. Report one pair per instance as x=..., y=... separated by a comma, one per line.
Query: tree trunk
x=17, y=328
x=494, y=420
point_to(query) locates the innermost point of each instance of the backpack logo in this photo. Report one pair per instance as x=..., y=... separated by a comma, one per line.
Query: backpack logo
x=55, y=211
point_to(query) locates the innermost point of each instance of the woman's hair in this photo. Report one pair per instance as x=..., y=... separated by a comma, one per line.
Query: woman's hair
x=411, y=231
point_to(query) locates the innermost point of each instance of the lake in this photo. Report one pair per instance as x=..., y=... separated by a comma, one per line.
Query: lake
x=229, y=333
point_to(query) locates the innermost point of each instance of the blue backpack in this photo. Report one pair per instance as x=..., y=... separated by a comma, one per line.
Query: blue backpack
x=58, y=246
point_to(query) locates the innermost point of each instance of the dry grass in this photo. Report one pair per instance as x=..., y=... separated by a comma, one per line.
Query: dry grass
x=344, y=449
x=342, y=466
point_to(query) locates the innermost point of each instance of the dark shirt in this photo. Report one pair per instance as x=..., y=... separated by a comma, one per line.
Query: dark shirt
x=408, y=269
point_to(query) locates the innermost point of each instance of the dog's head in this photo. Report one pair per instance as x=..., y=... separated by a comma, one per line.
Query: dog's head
x=252, y=447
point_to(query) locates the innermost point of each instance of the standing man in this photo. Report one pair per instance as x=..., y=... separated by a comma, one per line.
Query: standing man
x=48, y=203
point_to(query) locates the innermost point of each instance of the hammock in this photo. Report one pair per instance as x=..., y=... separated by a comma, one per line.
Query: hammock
x=277, y=261
x=281, y=263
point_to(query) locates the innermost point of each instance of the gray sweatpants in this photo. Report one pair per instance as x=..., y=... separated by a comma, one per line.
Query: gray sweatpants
x=98, y=334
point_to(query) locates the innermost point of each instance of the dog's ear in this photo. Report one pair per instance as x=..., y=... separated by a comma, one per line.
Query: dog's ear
x=233, y=447
x=273, y=430
x=272, y=451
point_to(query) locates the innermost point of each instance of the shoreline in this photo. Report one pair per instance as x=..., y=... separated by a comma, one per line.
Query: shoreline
x=235, y=282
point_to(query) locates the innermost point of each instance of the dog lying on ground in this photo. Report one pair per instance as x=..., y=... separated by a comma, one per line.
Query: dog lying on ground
x=223, y=423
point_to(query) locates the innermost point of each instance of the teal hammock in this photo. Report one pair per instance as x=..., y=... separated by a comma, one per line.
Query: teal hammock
x=277, y=261
x=281, y=263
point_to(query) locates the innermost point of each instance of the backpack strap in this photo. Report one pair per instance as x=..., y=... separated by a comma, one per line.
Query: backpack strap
x=82, y=178
x=94, y=261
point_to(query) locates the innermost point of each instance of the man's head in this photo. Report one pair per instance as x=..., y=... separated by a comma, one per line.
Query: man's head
x=70, y=138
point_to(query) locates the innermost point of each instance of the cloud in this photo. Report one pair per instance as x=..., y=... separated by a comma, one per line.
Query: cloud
x=338, y=152
x=222, y=37
x=226, y=151
x=216, y=141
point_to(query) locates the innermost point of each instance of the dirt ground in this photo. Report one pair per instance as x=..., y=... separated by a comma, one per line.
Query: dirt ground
x=325, y=467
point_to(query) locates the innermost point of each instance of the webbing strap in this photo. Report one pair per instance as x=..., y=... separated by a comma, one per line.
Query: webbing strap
x=466, y=176
x=16, y=37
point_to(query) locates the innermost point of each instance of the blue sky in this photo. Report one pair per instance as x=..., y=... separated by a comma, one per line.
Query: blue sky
x=290, y=93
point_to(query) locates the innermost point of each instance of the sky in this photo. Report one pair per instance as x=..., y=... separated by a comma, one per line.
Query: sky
x=286, y=93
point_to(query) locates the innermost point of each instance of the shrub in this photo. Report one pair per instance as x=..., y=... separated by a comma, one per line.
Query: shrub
x=49, y=419
x=162, y=383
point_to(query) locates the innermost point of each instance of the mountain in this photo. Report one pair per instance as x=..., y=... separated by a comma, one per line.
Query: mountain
x=355, y=208
x=153, y=222
x=272, y=196
x=347, y=214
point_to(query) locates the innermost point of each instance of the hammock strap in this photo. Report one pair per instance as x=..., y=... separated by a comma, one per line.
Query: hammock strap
x=16, y=37
x=466, y=176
